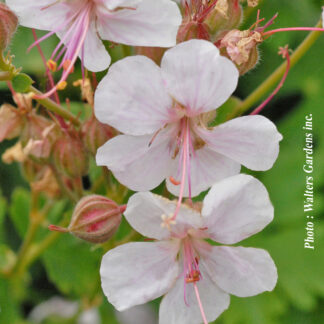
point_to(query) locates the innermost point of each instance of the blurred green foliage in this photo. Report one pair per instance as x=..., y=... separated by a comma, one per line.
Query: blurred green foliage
x=71, y=266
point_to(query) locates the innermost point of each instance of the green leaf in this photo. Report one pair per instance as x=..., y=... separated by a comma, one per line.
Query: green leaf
x=21, y=82
x=72, y=266
x=9, y=312
x=19, y=210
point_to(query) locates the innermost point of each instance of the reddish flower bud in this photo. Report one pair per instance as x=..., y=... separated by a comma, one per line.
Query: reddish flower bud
x=8, y=25
x=95, y=134
x=11, y=122
x=154, y=53
x=95, y=219
x=192, y=30
x=70, y=156
x=226, y=15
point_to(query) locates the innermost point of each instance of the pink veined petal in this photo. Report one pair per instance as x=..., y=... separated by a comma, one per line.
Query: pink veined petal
x=252, y=141
x=198, y=77
x=173, y=309
x=135, y=273
x=144, y=211
x=241, y=271
x=43, y=14
x=134, y=162
x=236, y=208
x=95, y=56
x=132, y=97
x=206, y=168
x=149, y=23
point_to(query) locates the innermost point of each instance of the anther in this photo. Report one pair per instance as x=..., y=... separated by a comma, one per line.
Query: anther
x=62, y=85
x=174, y=181
x=52, y=65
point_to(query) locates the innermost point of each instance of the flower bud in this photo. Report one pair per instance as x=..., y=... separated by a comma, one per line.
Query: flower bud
x=95, y=134
x=154, y=53
x=11, y=122
x=34, y=127
x=46, y=184
x=192, y=30
x=241, y=48
x=8, y=25
x=226, y=15
x=95, y=219
x=70, y=156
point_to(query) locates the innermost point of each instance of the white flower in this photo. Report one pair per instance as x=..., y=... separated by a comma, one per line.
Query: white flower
x=81, y=23
x=181, y=265
x=161, y=111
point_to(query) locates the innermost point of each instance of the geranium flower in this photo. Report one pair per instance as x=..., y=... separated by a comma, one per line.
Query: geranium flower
x=81, y=23
x=195, y=276
x=163, y=113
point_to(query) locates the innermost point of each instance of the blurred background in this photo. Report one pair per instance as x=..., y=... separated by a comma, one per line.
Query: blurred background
x=60, y=284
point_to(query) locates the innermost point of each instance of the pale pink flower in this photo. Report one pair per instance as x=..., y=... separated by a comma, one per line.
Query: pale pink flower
x=81, y=24
x=162, y=112
x=195, y=277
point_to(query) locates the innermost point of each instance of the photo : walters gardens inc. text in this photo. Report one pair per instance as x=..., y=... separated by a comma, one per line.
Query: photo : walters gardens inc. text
x=308, y=167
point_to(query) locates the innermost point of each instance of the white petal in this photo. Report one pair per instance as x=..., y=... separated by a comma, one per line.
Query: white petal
x=96, y=57
x=197, y=76
x=132, y=97
x=173, y=309
x=136, y=164
x=113, y=4
x=236, y=208
x=144, y=213
x=250, y=140
x=206, y=168
x=40, y=14
x=135, y=273
x=241, y=271
x=150, y=23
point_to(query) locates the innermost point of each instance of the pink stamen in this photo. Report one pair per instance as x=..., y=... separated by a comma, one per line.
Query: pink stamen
x=192, y=274
x=200, y=304
x=284, y=51
x=185, y=131
x=271, y=32
x=73, y=59
x=74, y=38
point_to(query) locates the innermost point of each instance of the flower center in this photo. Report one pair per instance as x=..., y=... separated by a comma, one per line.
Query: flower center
x=71, y=45
x=191, y=273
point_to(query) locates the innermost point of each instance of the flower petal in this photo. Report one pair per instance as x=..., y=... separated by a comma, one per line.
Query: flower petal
x=95, y=57
x=198, y=77
x=241, y=271
x=113, y=4
x=236, y=208
x=173, y=309
x=132, y=97
x=135, y=273
x=206, y=168
x=144, y=213
x=40, y=14
x=149, y=23
x=250, y=140
x=134, y=162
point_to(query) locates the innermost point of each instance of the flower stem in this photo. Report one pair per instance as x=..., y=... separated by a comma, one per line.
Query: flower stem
x=275, y=77
x=54, y=107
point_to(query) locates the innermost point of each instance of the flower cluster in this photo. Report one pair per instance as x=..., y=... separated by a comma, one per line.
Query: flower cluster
x=153, y=122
